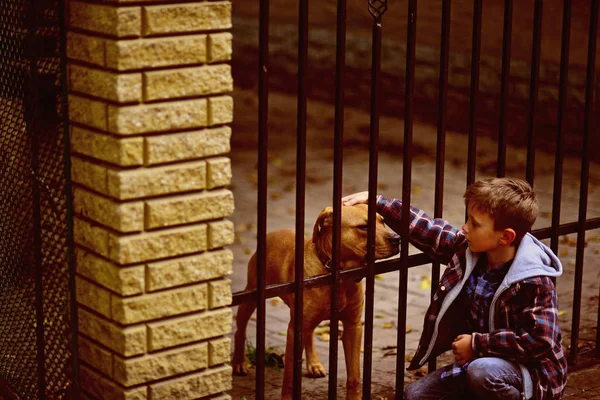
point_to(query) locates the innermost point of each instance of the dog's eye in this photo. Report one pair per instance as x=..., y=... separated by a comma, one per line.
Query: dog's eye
x=363, y=227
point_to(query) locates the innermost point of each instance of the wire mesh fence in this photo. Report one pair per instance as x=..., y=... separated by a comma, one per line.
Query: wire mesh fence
x=36, y=339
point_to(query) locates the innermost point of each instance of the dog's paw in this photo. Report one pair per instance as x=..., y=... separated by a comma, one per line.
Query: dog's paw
x=240, y=369
x=316, y=370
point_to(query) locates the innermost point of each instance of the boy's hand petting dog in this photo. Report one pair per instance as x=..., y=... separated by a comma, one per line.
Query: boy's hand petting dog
x=461, y=347
x=356, y=198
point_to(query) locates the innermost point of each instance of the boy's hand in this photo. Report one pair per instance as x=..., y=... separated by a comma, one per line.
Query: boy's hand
x=461, y=347
x=356, y=198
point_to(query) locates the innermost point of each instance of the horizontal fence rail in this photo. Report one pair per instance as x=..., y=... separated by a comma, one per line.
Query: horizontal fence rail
x=404, y=262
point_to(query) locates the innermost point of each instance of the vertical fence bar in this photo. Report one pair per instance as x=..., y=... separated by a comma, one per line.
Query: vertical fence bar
x=377, y=12
x=533, y=88
x=64, y=109
x=337, y=193
x=583, y=189
x=300, y=197
x=441, y=137
x=33, y=130
x=263, y=139
x=475, y=56
x=562, y=109
x=506, y=46
x=406, y=187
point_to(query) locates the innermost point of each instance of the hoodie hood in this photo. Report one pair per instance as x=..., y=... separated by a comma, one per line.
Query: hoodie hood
x=533, y=258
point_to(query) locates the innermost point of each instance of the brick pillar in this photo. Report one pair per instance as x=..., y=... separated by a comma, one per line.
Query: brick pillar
x=149, y=106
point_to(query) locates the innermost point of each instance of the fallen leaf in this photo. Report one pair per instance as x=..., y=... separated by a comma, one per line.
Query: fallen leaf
x=379, y=316
x=408, y=357
x=322, y=329
x=425, y=284
x=408, y=329
x=390, y=353
x=282, y=333
x=247, y=251
x=275, y=196
x=416, y=190
x=563, y=252
x=324, y=337
x=561, y=313
x=387, y=325
x=379, y=277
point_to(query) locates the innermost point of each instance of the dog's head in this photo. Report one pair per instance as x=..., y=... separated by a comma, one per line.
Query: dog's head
x=354, y=234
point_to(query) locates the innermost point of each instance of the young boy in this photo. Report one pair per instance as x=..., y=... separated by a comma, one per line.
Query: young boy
x=495, y=305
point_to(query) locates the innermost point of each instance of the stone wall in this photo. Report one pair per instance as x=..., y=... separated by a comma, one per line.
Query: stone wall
x=149, y=105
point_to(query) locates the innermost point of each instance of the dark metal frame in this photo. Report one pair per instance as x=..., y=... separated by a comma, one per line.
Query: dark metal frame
x=377, y=9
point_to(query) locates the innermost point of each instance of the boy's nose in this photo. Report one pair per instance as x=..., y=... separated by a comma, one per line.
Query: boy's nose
x=464, y=228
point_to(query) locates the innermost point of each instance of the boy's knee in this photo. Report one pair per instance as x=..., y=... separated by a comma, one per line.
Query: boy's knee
x=478, y=375
x=413, y=391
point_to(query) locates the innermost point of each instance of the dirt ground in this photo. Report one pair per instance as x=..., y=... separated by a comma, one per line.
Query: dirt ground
x=319, y=194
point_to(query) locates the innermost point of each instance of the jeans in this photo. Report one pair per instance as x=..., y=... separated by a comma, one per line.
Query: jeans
x=486, y=378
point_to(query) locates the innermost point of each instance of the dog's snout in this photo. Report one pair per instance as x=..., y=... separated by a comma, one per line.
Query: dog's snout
x=395, y=240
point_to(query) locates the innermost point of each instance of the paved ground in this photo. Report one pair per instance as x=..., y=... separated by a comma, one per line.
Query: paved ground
x=582, y=384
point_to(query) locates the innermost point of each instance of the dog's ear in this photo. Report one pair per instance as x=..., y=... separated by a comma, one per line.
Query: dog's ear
x=325, y=219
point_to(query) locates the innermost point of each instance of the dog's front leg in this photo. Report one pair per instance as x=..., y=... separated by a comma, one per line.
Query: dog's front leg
x=352, y=340
x=313, y=365
x=288, y=366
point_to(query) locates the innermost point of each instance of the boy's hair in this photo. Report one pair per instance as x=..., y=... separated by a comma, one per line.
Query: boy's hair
x=510, y=202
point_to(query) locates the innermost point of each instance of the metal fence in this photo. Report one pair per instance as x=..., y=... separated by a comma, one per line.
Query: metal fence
x=37, y=314
x=377, y=9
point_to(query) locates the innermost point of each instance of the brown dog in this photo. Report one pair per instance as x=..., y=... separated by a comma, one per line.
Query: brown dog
x=317, y=256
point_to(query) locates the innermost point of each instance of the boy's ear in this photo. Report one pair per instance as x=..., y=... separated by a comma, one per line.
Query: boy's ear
x=508, y=236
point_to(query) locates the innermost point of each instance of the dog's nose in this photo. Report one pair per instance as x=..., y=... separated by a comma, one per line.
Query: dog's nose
x=395, y=240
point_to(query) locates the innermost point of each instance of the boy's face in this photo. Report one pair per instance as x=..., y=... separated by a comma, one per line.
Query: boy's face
x=479, y=231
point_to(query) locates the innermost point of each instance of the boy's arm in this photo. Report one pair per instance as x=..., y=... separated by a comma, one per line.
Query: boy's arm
x=535, y=337
x=436, y=237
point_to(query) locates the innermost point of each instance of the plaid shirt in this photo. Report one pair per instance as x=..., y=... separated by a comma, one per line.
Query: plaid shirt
x=525, y=325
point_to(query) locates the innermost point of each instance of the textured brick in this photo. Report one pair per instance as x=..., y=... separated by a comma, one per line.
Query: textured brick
x=90, y=236
x=191, y=17
x=188, y=145
x=89, y=174
x=220, y=110
x=218, y=351
x=155, y=245
x=102, y=388
x=219, y=47
x=187, y=82
x=218, y=172
x=86, y=48
x=189, y=329
x=124, y=341
x=219, y=293
x=130, y=310
x=121, y=88
x=93, y=296
x=189, y=208
x=87, y=112
x=124, y=281
x=122, y=217
x=124, y=55
x=115, y=21
x=202, y=267
x=220, y=233
x=152, y=367
x=157, y=117
x=145, y=182
x=94, y=355
x=211, y=381
x=121, y=151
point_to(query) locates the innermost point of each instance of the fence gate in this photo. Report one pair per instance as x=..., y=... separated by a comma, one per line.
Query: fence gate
x=37, y=323
x=377, y=9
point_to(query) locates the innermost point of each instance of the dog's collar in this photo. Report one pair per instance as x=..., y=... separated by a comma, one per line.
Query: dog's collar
x=326, y=261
